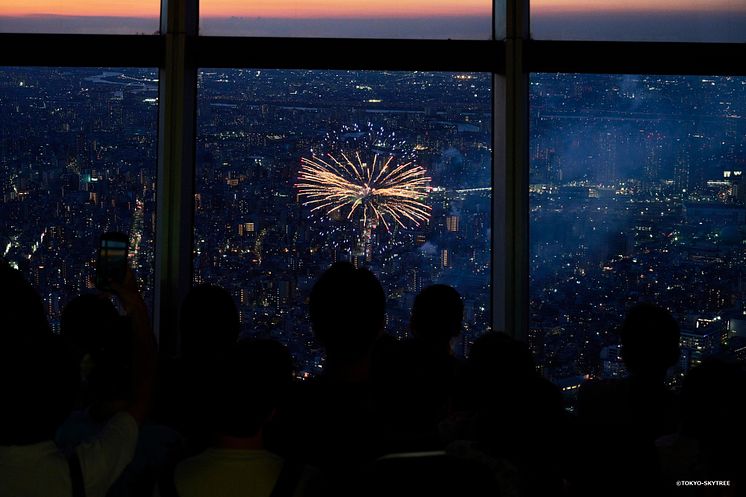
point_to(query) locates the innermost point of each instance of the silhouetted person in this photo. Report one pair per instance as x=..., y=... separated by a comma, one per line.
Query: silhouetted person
x=210, y=327
x=38, y=374
x=620, y=419
x=39, y=381
x=428, y=372
x=650, y=346
x=98, y=336
x=87, y=320
x=28, y=316
x=209, y=323
x=437, y=318
x=517, y=417
x=332, y=422
x=246, y=388
x=709, y=444
x=347, y=309
x=103, y=343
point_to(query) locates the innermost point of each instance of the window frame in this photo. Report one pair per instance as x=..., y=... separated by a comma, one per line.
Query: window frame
x=178, y=51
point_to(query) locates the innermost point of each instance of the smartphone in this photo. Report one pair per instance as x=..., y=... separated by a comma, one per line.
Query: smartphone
x=111, y=264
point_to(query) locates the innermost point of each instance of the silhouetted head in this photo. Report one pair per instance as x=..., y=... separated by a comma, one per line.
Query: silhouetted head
x=23, y=321
x=497, y=355
x=650, y=340
x=515, y=408
x=347, y=308
x=38, y=379
x=437, y=314
x=87, y=320
x=209, y=322
x=248, y=385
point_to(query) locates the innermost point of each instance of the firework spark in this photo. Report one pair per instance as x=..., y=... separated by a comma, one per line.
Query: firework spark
x=377, y=190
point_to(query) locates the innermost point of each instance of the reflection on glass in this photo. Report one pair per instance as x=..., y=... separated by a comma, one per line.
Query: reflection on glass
x=270, y=142
x=429, y=19
x=77, y=159
x=637, y=194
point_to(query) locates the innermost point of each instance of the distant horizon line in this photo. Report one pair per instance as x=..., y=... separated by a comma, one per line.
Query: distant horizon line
x=383, y=15
x=631, y=25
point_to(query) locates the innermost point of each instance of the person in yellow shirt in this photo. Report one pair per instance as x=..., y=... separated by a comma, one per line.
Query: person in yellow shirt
x=245, y=390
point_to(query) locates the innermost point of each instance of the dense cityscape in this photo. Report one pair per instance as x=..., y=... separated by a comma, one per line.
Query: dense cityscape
x=77, y=159
x=255, y=236
x=635, y=195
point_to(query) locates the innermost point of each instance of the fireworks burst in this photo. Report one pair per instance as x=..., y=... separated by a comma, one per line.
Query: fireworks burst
x=380, y=189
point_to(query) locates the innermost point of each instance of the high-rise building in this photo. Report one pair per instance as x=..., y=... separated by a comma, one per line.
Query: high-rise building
x=445, y=261
x=653, y=158
x=681, y=174
x=452, y=223
x=612, y=363
x=700, y=343
x=607, y=158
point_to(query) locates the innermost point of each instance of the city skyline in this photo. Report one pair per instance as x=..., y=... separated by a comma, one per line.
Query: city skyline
x=636, y=193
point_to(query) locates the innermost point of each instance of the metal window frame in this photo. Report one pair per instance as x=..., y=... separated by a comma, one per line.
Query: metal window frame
x=178, y=52
x=68, y=50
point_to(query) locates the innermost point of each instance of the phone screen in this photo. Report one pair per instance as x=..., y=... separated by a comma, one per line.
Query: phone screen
x=112, y=261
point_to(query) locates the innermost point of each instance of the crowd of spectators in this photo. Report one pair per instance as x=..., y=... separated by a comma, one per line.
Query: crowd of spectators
x=94, y=411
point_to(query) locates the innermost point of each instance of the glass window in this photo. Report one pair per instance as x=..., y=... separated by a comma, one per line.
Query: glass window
x=440, y=19
x=269, y=141
x=77, y=158
x=637, y=193
x=640, y=20
x=82, y=16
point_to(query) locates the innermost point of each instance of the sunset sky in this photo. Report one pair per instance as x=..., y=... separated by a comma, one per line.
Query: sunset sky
x=346, y=8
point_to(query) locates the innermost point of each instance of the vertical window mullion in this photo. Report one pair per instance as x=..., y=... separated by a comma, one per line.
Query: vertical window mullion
x=515, y=175
x=176, y=166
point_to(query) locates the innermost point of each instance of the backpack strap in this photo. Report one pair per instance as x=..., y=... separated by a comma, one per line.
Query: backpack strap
x=76, y=475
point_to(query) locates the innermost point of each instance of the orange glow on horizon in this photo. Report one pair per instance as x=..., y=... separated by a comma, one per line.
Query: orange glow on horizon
x=253, y=8
x=571, y=6
x=349, y=8
x=113, y=8
x=343, y=8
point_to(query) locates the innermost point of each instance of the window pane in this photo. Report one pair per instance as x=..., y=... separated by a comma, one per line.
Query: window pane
x=440, y=19
x=636, y=195
x=77, y=158
x=255, y=235
x=639, y=20
x=63, y=16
